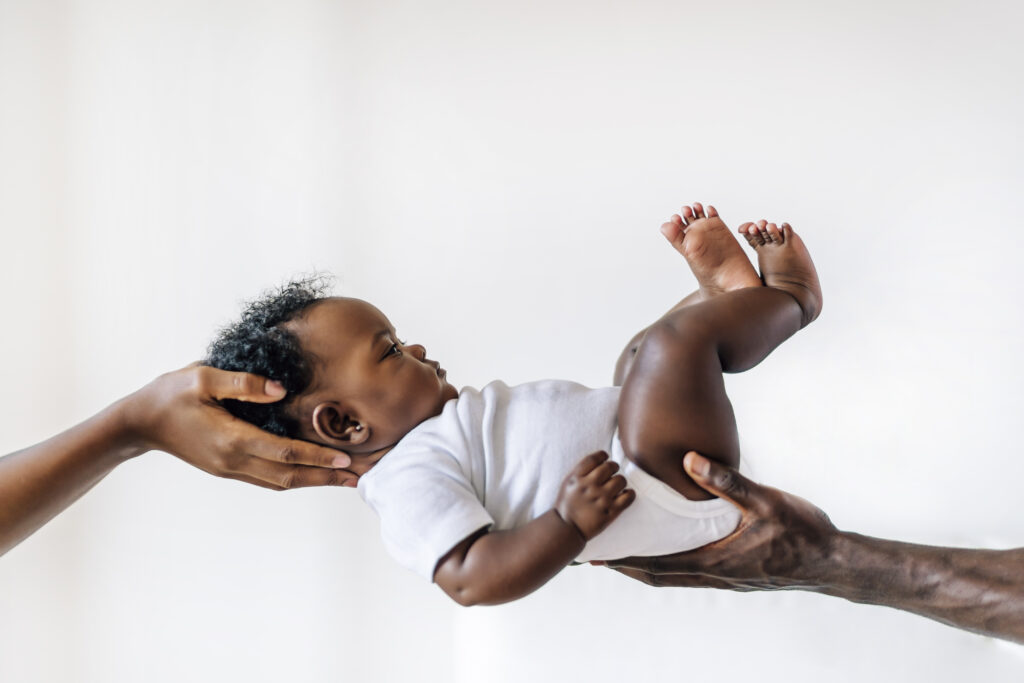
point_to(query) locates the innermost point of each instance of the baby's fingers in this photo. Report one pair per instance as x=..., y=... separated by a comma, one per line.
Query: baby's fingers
x=602, y=473
x=589, y=463
x=614, y=486
x=622, y=501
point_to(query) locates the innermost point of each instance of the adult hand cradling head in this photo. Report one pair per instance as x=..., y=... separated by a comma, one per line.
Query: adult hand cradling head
x=179, y=413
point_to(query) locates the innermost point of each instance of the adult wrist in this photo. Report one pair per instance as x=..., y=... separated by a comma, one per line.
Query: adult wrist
x=127, y=430
x=819, y=565
x=853, y=568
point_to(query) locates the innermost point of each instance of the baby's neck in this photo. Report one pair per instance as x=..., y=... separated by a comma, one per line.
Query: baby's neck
x=363, y=461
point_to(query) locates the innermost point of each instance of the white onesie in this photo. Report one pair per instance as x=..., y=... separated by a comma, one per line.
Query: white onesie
x=497, y=457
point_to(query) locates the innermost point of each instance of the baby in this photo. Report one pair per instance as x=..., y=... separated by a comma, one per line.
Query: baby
x=483, y=491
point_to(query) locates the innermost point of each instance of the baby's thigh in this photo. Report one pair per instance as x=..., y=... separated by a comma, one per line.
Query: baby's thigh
x=674, y=401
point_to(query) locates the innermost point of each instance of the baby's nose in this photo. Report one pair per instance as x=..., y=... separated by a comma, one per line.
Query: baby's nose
x=418, y=351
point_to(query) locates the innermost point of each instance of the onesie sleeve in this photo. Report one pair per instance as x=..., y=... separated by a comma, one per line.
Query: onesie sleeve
x=426, y=504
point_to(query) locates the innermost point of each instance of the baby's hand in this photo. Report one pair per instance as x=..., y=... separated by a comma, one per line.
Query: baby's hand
x=593, y=495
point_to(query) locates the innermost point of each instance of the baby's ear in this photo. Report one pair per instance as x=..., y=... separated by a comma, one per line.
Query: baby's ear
x=338, y=428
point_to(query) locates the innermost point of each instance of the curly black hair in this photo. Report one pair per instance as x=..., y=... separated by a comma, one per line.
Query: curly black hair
x=258, y=343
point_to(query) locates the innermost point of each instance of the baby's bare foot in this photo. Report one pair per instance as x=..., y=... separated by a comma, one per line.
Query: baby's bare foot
x=786, y=264
x=714, y=255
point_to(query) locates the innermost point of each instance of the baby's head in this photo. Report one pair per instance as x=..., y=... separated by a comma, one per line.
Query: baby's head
x=351, y=383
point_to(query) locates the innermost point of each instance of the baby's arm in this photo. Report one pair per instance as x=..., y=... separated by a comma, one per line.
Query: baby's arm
x=501, y=566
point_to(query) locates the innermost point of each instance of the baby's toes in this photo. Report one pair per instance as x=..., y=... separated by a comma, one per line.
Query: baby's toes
x=762, y=231
x=673, y=232
x=698, y=210
x=754, y=231
x=773, y=233
x=688, y=216
x=749, y=232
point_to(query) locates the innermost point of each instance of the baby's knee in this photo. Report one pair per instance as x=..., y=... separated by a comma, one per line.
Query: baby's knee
x=625, y=362
x=678, y=337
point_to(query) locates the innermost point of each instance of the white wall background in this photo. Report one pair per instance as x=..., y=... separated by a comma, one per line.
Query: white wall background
x=493, y=175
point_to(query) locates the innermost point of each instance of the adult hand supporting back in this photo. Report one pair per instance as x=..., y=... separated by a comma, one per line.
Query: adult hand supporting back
x=177, y=413
x=785, y=542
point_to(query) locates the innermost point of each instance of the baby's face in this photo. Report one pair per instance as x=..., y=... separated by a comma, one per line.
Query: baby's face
x=369, y=389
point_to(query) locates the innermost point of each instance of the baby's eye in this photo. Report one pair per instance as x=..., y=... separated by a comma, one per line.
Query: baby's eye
x=393, y=349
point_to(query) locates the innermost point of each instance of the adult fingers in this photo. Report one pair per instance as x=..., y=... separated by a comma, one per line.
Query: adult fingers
x=277, y=475
x=256, y=482
x=726, y=482
x=674, y=580
x=241, y=386
x=646, y=565
x=703, y=560
x=649, y=579
x=677, y=580
x=695, y=581
x=253, y=441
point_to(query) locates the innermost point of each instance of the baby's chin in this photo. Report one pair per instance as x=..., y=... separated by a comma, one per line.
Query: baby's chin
x=448, y=392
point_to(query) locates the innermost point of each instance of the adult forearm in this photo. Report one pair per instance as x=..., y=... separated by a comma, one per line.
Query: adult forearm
x=39, y=482
x=506, y=565
x=977, y=590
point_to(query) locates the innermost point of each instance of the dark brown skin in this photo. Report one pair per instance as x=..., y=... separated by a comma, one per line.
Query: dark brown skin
x=501, y=566
x=370, y=388
x=782, y=542
x=674, y=369
x=785, y=543
x=673, y=396
x=176, y=413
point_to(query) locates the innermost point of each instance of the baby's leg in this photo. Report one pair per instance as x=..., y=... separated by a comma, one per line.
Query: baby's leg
x=715, y=258
x=674, y=398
